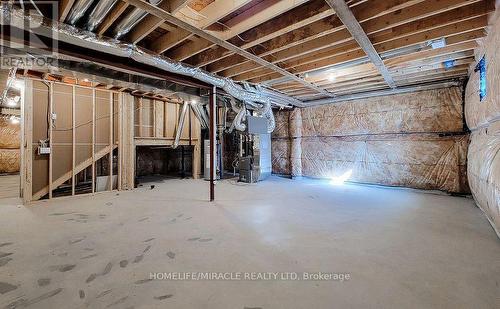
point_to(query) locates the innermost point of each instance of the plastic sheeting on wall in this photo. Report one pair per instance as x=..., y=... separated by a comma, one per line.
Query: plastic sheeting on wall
x=412, y=140
x=418, y=112
x=483, y=118
x=10, y=142
x=424, y=161
x=10, y=134
x=484, y=171
x=10, y=160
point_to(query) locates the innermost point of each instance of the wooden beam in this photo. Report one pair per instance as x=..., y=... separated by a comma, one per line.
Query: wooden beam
x=188, y=49
x=317, y=31
x=255, y=15
x=110, y=19
x=201, y=33
x=454, y=33
x=151, y=22
x=353, y=26
x=293, y=19
x=431, y=24
x=64, y=8
x=411, y=17
x=211, y=14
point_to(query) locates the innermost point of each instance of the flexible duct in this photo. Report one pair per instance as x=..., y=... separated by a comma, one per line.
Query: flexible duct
x=241, y=112
x=89, y=40
x=200, y=114
x=132, y=19
x=180, y=127
x=99, y=12
x=78, y=10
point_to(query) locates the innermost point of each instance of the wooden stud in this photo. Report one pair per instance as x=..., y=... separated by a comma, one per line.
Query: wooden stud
x=27, y=145
x=93, y=141
x=51, y=143
x=111, y=142
x=73, y=160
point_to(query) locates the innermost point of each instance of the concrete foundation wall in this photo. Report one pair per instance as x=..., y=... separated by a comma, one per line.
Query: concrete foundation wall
x=483, y=119
x=412, y=140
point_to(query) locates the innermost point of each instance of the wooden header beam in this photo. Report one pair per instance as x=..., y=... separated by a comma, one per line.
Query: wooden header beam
x=151, y=9
x=357, y=32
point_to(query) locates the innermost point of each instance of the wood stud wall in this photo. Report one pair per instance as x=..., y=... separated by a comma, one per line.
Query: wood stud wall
x=86, y=129
x=156, y=124
x=91, y=124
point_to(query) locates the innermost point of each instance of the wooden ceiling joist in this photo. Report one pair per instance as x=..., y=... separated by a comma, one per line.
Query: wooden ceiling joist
x=293, y=19
x=312, y=49
x=260, y=12
x=64, y=8
x=455, y=15
x=204, y=34
x=151, y=22
x=111, y=18
x=209, y=15
x=316, y=31
x=353, y=26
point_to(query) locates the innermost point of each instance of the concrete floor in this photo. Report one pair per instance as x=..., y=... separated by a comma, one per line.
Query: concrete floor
x=401, y=248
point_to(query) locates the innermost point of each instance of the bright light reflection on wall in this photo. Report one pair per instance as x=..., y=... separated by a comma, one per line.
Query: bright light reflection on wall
x=339, y=180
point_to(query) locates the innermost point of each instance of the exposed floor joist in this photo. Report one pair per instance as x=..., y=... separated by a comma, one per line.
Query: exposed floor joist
x=299, y=46
x=353, y=26
x=204, y=34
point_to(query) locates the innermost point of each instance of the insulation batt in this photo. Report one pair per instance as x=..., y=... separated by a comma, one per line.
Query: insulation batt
x=412, y=140
x=10, y=141
x=10, y=134
x=483, y=119
x=9, y=160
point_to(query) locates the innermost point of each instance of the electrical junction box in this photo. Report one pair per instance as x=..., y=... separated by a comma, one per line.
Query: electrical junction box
x=43, y=150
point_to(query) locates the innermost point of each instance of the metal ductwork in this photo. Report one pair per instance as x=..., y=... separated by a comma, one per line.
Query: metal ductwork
x=255, y=99
x=99, y=13
x=78, y=10
x=241, y=112
x=180, y=127
x=200, y=113
x=132, y=19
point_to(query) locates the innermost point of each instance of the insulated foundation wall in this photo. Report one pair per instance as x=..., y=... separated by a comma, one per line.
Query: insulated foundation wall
x=483, y=119
x=412, y=140
x=10, y=143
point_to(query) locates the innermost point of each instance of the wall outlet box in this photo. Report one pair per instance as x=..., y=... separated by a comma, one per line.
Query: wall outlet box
x=43, y=150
